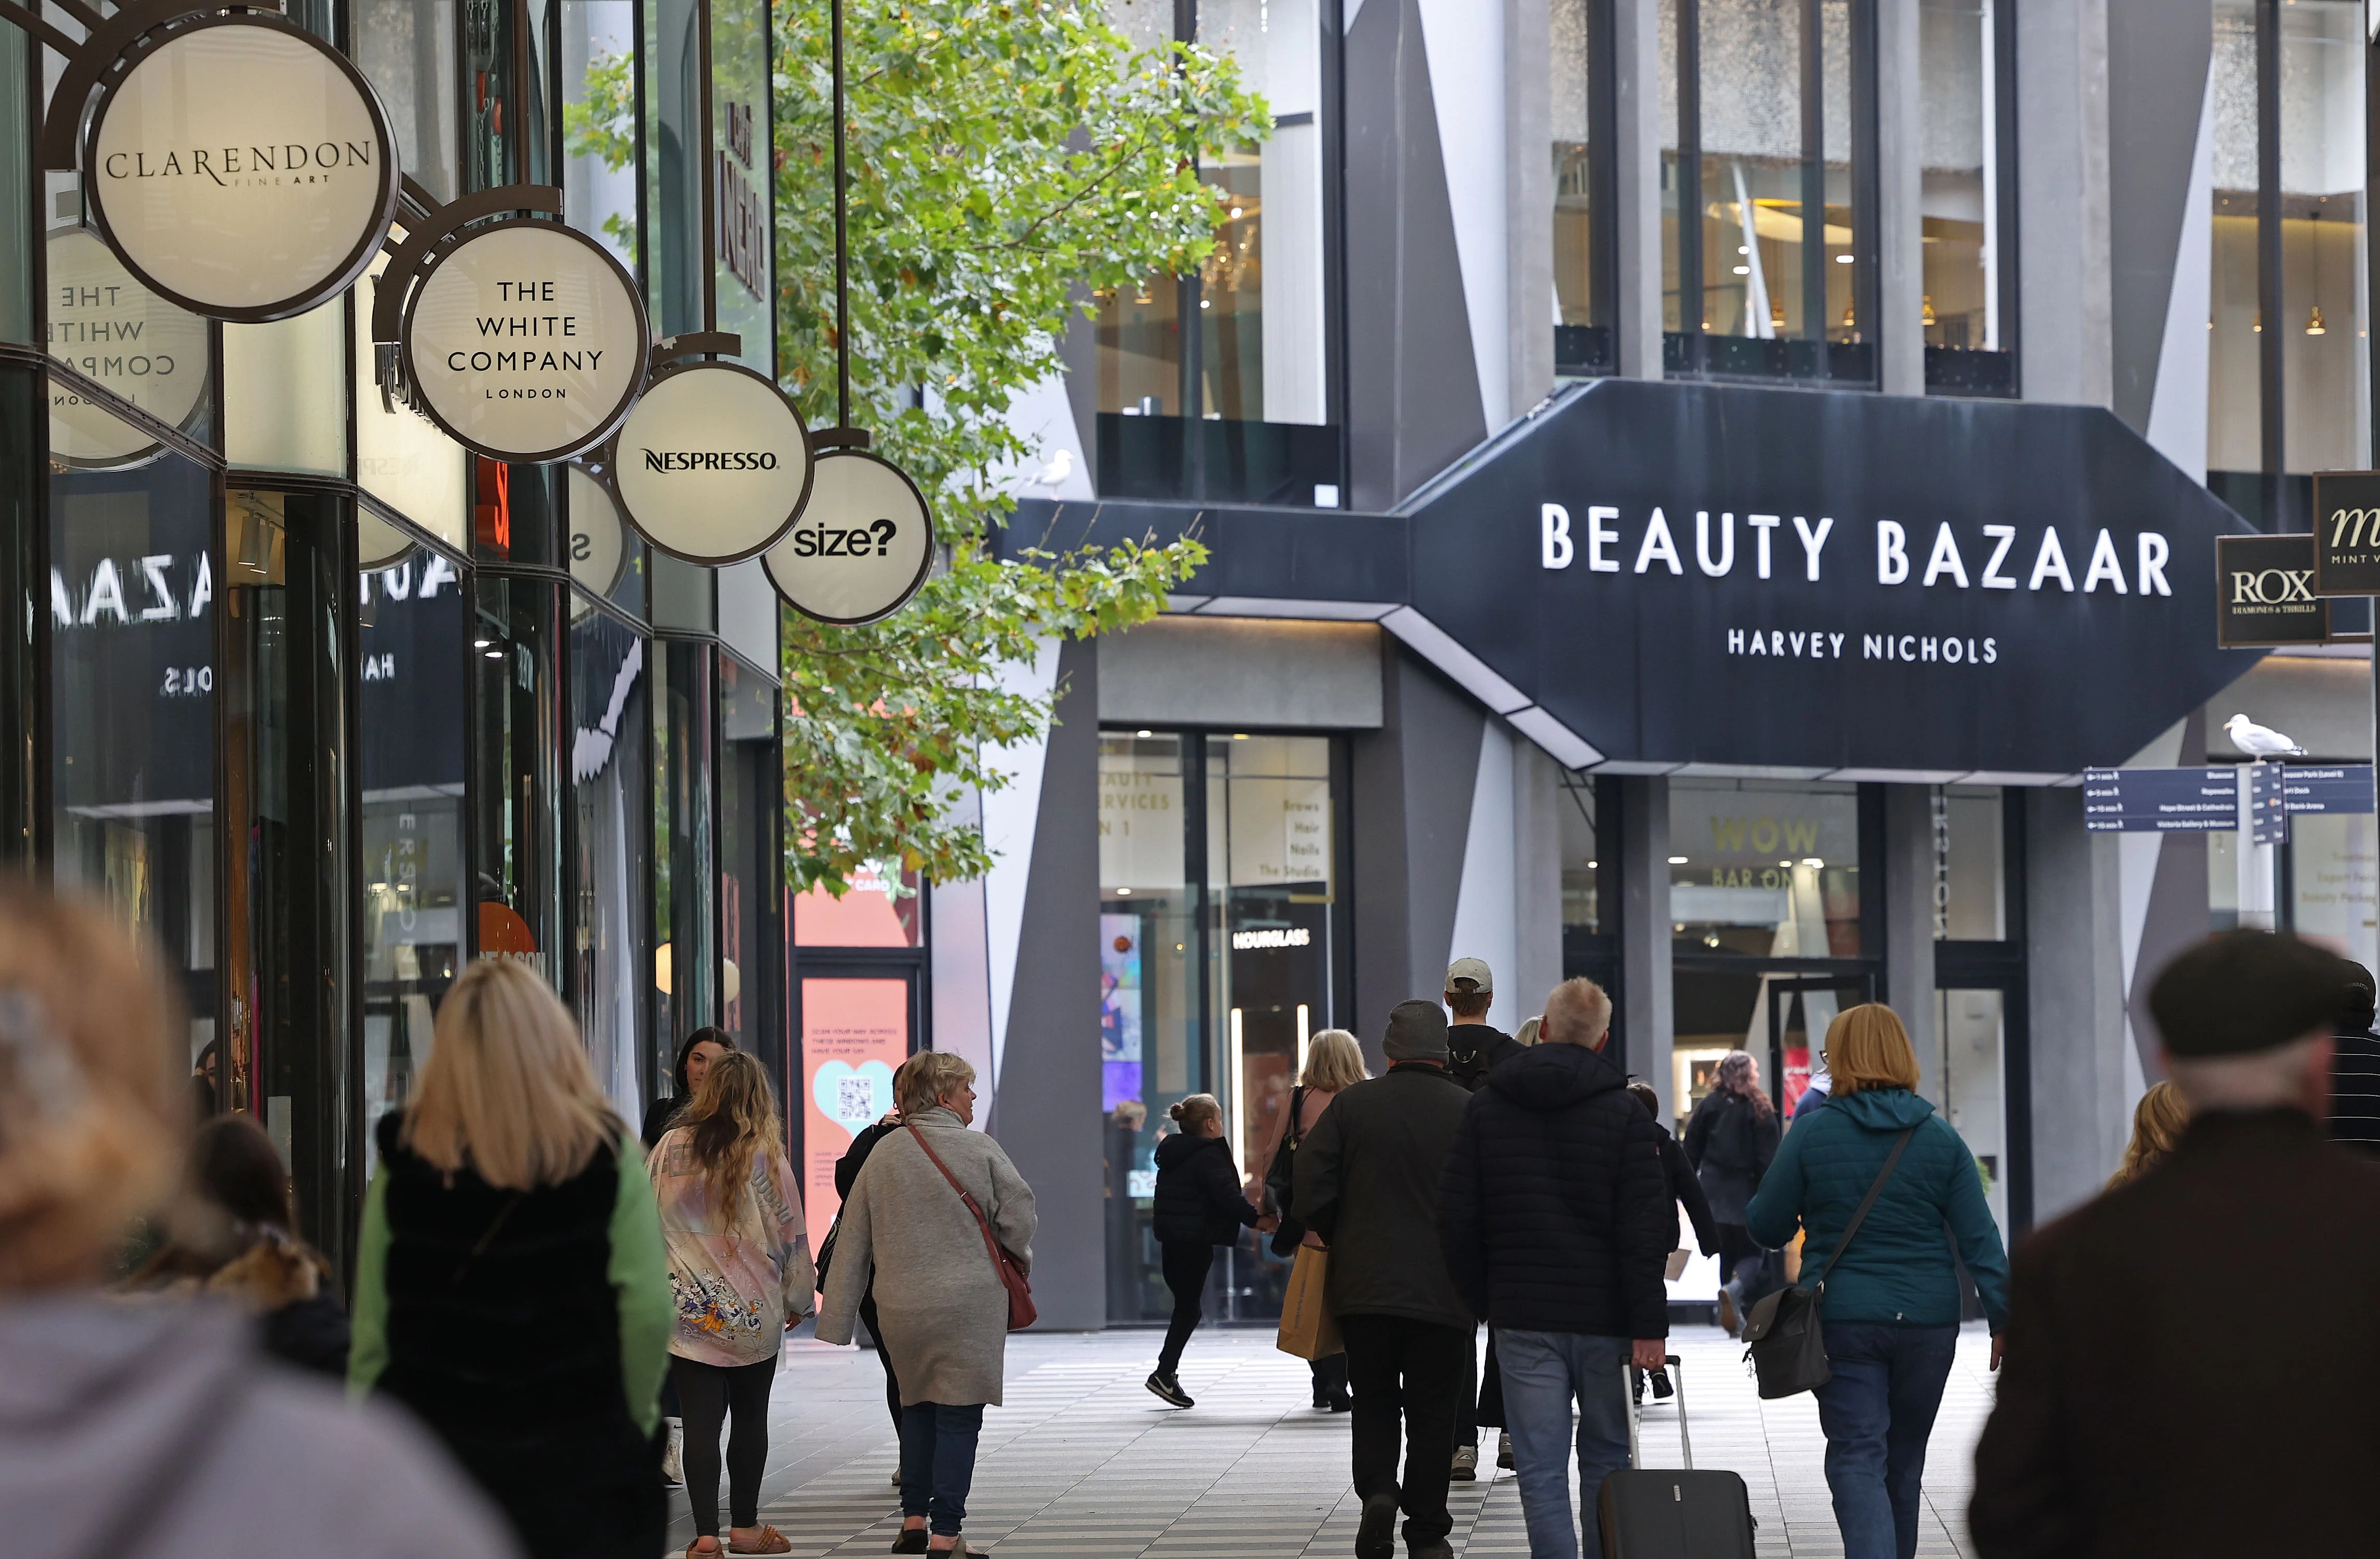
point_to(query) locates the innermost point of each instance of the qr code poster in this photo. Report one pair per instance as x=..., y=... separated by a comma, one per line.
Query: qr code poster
x=853, y=1097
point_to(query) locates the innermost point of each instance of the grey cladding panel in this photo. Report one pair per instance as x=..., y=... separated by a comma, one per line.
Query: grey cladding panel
x=1242, y=672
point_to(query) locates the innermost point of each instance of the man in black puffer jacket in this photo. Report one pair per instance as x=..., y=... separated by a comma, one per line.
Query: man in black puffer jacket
x=1558, y=1220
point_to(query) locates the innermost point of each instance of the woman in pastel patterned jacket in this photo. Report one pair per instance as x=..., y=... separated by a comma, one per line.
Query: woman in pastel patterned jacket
x=739, y=1267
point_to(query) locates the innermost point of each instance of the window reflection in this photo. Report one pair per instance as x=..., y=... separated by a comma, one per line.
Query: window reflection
x=1764, y=868
x=1582, y=337
x=516, y=790
x=610, y=730
x=750, y=781
x=686, y=962
x=409, y=758
x=1958, y=154
x=132, y=594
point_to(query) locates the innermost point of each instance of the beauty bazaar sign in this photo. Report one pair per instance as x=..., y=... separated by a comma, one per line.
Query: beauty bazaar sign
x=1685, y=573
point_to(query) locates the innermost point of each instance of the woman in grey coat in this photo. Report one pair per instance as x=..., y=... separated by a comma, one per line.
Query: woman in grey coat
x=943, y=1308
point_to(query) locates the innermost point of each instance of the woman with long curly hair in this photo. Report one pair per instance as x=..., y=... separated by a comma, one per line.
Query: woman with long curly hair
x=2157, y=1121
x=1730, y=1140
x=739, y=1264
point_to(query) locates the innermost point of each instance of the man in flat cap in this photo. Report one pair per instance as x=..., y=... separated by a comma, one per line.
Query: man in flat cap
x=2161, y=1395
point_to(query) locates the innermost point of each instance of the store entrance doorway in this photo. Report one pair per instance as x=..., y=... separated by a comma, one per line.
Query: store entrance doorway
x=1799, y=1012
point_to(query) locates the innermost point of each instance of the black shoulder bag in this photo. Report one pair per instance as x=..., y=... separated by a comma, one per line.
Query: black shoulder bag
x=1280, y=1178
x=1785, y=1342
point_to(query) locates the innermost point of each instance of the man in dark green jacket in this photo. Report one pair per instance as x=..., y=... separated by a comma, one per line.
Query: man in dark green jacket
x=1891, y=1295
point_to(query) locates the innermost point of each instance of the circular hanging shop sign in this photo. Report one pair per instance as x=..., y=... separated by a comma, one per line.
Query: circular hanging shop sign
x=861, y=546
x=525, y=342
x=241, y=168
x=110, y=328
x=713, y=465
x=599, y=545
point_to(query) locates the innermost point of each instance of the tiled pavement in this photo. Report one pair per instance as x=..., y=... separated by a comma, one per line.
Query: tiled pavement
x=1082, y=1461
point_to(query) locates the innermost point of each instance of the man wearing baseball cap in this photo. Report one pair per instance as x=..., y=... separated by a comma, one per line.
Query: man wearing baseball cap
x=1474, y=1049
x=2161, y=1393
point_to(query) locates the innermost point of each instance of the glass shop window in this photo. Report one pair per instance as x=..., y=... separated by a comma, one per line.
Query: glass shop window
x=2332, y=872
x=409, y=759
x=516, y=795
x=1764, y=868
x=406, y=48
x=1583, y=252
x=751, y=875
x=685, y=959
x=599, y=122
x=1969, y=882
x=610, y=667
x=133, y=591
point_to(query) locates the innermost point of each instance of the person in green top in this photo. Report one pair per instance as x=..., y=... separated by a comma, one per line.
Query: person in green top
x=511, y=1288
x=1890, y=1307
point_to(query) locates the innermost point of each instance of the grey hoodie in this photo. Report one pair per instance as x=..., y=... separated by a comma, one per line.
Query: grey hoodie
x=130, y=1428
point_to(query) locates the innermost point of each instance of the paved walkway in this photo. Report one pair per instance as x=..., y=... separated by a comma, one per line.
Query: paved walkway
x=1082, y=1461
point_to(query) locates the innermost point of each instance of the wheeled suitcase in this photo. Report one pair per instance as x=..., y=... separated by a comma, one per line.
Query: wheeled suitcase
x=1662, y=1514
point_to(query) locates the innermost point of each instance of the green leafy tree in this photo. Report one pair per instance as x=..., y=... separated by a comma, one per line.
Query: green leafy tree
x=1007, y=160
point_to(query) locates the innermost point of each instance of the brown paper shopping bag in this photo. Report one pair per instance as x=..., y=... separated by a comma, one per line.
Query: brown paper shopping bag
x=1307, y=1328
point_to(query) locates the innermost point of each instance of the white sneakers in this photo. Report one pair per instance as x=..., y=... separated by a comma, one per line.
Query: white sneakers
x=673, y=1467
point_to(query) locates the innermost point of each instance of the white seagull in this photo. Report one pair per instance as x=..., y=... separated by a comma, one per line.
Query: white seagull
x=2259, y=741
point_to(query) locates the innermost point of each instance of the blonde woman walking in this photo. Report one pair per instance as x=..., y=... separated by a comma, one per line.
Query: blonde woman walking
x=739, y=1267
x=1334, y=1062
x=510, y=1288
x=944, y=1308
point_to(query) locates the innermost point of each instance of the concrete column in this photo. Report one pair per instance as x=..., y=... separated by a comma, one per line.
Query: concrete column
x=1909, y=924
x=1536, y=885
x=1636, y=29
x=1528, y=202
x=1652, y=1030
x=2074, y=952
x=2065, y=267
x=1900, y=256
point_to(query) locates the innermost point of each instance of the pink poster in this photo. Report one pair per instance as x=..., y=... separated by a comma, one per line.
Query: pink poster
x=855, y=1032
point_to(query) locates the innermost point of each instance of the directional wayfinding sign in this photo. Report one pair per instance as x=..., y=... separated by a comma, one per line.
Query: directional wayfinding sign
x=2161, y=801
x=2167, y=800
x=2347, y=533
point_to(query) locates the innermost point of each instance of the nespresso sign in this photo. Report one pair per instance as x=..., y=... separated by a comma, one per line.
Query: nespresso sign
x=241, y=167
x=713, y=463
x=1683, y=573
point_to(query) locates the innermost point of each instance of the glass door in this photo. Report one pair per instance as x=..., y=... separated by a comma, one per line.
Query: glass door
x=1798, y=1013
x=1965, y=1079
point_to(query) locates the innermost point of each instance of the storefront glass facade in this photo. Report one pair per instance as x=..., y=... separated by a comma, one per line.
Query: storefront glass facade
x=1223, y=943
x=325, y=706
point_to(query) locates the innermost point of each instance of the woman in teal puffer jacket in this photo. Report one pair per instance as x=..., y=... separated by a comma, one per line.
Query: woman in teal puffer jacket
x=1891, y=1306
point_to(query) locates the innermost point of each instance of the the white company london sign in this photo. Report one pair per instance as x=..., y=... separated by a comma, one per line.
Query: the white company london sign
x=526, y=341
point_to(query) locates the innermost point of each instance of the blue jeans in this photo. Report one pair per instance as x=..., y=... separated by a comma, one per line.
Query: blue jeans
x=1878, y=1412
x=1544, y=1371
x=937, y=1461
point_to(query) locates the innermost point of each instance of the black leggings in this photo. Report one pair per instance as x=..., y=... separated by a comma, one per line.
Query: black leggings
x=1186, y=1266
x=883, y=1356
x=710, y=1393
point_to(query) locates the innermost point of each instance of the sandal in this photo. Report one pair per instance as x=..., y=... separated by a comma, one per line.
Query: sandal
x=696, y=1551
x=770, y=1540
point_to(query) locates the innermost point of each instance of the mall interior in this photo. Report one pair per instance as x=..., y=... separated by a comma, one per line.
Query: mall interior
x=1561, y=371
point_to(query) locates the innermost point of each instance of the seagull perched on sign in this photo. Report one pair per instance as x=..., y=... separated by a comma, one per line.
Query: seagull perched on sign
x=2259, y=741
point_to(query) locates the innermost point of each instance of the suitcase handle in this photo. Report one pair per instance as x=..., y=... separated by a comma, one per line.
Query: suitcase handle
x=1628, y=1396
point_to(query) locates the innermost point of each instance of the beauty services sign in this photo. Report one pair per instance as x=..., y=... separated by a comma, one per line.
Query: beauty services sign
x=241, y=168
x=526, y=341
x=862, y=545
x=713, y=463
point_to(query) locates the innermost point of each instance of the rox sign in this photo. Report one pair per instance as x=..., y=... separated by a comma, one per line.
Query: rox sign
x=2266, y=593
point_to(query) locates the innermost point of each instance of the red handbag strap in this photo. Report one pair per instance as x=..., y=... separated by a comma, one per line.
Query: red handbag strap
x=990, y=1242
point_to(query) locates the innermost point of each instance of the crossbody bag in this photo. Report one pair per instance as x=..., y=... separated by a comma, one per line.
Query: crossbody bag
x=1020, y=1313
x=1783, y=1336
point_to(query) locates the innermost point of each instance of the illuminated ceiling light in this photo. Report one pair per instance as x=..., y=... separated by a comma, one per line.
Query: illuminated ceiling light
x=1813, y=861
x=1784, y=863
x=2313, y=323
x=1123, y=892
x=1743, y=270
x=1206, y=303
x=1239, y=736
x=1677, y=860
x=495, y=655
x=1144, y=733
x=2258, y=326
x=479, y=644
x=1591, y=866
x=1236, y=213
x=1842, y=260
x=1927, y=313
x=1743, y=249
